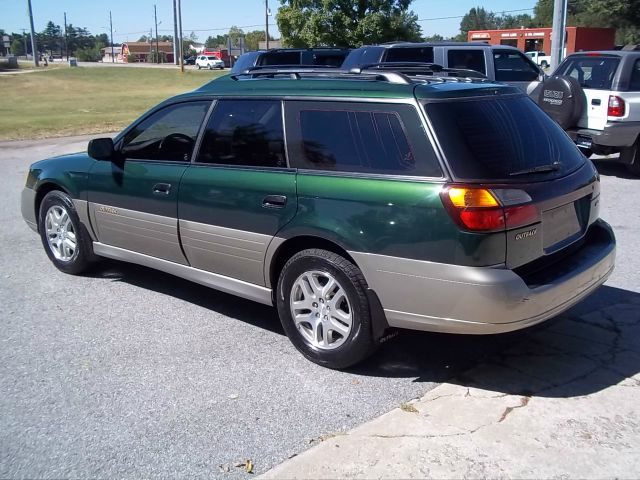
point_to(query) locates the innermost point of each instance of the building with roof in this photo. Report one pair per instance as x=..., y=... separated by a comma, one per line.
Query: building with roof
x=145, y=52
x=112, y=54
x=539, y=39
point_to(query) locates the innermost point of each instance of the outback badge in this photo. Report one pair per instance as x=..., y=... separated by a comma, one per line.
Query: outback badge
x=527, y=234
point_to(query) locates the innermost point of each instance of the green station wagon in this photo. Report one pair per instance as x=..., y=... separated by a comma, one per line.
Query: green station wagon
x=353, y=201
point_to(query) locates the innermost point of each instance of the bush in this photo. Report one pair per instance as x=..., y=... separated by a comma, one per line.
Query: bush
x=89, y=54
x=131, y=58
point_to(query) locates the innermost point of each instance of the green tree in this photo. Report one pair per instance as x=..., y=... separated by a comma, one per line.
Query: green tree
x=434, y=38
x=234, y=35
x=252, y=39
x=50, y=39
x=313, y=23
x=214, y=42
x=476, y=19
x=515, y=21
x=17, y=45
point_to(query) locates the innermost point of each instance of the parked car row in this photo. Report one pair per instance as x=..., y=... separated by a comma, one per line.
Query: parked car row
x=408, y=190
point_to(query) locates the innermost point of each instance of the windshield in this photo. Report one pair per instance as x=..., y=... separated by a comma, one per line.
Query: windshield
x=498, y=139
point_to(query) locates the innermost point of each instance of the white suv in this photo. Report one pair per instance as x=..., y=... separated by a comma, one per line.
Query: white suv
x=595, y=97
x=209, y=61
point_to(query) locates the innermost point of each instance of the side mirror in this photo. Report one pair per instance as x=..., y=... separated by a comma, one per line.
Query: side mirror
x=101, y=149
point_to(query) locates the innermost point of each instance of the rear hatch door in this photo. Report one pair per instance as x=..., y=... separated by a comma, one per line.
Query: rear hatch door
x=508, y=145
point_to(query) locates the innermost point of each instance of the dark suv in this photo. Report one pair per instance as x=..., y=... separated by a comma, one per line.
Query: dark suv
x=322, y=57
x=352, y=201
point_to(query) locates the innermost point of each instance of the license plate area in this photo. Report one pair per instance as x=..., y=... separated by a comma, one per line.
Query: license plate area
x=561, y=226
x=584, y=141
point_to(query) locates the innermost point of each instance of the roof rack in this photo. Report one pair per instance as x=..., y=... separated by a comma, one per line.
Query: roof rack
x=393, y=72
x=297, y=72
x=423, y=68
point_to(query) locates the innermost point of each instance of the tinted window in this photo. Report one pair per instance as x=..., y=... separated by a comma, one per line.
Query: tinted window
x=168, y=134
x=491, y=138
x=364, y=139
x=244, y=132
x=467, y=59
x=591, y=72
x=401, y=54
x=280, y=58
x=513, y=67
x=634, y=84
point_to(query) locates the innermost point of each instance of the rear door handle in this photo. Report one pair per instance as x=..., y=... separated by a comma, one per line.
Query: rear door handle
x=162, y=188
x=274, y=201
x=595, y=101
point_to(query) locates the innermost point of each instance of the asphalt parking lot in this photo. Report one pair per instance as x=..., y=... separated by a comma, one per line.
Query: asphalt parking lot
x=128, y=372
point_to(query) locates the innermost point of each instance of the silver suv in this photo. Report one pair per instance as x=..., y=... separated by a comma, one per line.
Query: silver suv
x=499, y=63
x=595, y=96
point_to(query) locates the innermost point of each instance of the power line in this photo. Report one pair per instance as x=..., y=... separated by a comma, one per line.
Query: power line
x=462, y=16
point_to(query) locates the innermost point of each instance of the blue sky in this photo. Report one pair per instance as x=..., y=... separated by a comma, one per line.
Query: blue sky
x=132, y=18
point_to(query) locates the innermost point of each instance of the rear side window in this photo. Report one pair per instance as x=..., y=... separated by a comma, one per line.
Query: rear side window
x=245, y=133
x=280, y=58
x=501, y=138
x=365, y=139
x=402, y=54
x=467, y=59
x=634, y=84
x=513, y=67
x=591, y=72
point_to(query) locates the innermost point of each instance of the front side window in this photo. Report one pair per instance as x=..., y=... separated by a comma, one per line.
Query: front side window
x=244, y=133
x=595, y=72
x=363, y=139
x=168, y=134
x=467, y=60
x=513, y=66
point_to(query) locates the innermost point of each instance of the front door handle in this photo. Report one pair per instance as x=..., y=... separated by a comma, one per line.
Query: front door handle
x=162, y=188
x=274, y=201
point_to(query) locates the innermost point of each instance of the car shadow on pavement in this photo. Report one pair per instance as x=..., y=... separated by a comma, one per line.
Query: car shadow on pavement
x=235, y=307
x=592, y=346
x=613, y=169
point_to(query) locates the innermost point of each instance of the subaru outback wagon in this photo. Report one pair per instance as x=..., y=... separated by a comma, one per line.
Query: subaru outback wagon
x=352, y=201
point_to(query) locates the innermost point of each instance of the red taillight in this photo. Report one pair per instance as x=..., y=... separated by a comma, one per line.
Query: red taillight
x=616, y=106
x=483, y=210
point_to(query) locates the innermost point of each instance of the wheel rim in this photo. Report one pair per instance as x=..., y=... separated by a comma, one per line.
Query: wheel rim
x=321, y=310
x=61, y=235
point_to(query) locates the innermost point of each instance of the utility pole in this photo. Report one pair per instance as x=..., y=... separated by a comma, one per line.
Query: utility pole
x=175, y=33
x=150, y=44
x=180, y=34
x=34, y=47
x=558, y=32
x=66, y=39
x=111, y=27
x=155, y=18
x=266, y=22
x=24, y=39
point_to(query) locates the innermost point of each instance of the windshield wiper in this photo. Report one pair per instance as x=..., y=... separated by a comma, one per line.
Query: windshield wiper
x=552, y=167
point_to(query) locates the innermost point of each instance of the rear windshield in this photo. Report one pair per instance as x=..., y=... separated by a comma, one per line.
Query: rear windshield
x=501, y=139
x=591, y=72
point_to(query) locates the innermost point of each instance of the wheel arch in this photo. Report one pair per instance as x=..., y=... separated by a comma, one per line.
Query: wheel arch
x=291, y=246
x=41, y=192
x=285, y=250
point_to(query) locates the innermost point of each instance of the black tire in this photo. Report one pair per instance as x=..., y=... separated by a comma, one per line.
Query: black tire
x=631, y=158
x=562, y=98
x=198, y=66
x=359, y=343
x=83, y=255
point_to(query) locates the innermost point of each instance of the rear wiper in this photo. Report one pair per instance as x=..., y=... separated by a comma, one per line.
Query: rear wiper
x=552, y=167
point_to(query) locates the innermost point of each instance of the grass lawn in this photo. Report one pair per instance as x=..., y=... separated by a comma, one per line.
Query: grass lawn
x=83, y=100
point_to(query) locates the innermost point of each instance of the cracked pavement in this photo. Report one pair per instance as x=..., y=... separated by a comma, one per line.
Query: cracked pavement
x=561, y=402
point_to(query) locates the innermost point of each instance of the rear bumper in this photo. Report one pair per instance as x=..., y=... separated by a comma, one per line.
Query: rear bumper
x=437, y=297
x=614, y=134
